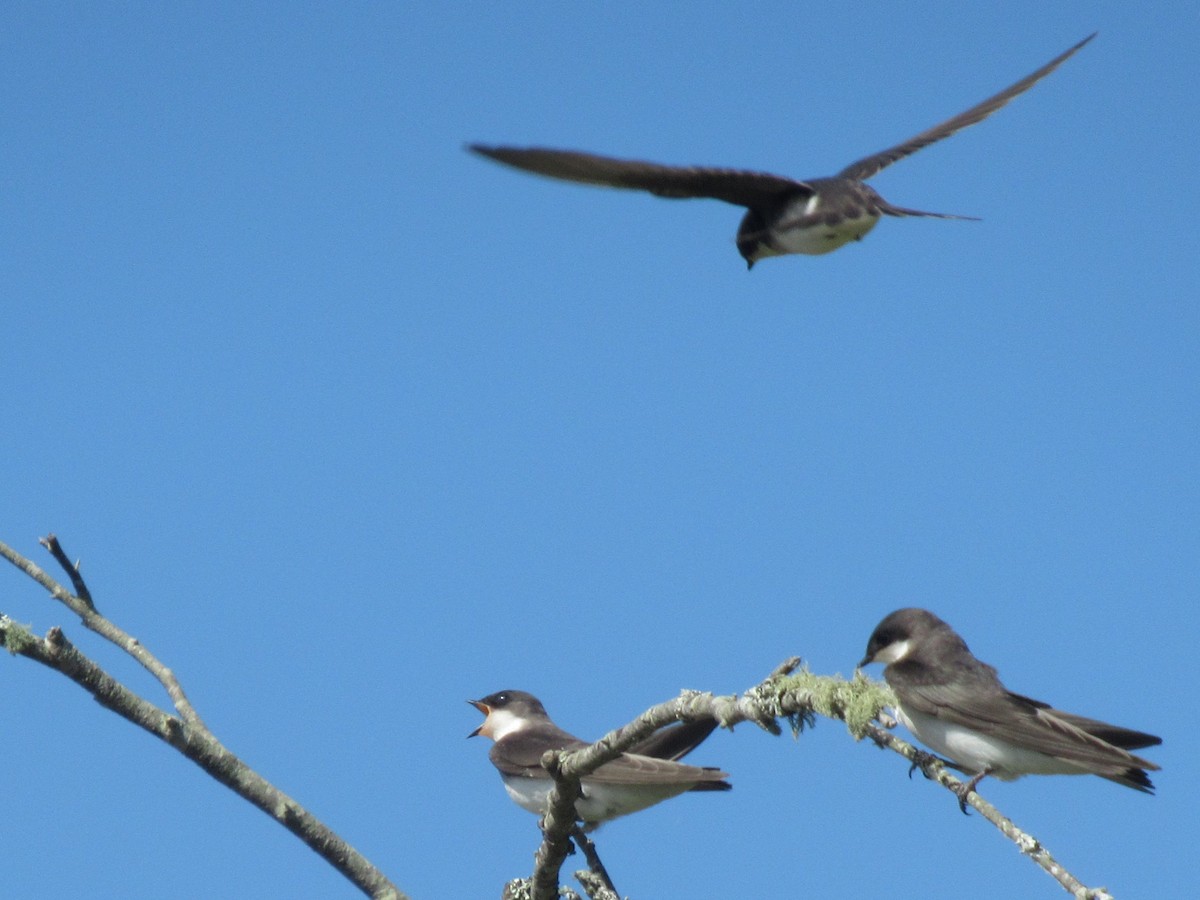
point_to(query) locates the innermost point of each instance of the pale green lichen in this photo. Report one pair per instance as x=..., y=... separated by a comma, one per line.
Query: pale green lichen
x=15, y=637
x=857, y=703
x=866, y=699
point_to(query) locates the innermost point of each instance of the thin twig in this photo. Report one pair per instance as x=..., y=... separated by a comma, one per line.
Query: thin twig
x=584, y=843
x=50, y=542
x=594, y=886
x=186, y=733
x=94, y=621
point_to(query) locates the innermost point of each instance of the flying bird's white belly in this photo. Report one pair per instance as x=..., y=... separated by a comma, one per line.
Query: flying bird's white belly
x=599, y=803
x=976, y=752
x=807, y=233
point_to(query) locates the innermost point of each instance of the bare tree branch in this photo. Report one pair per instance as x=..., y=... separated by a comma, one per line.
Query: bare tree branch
x=597, y=882
x=596, y=887
x=81, y=604
x=185, y=732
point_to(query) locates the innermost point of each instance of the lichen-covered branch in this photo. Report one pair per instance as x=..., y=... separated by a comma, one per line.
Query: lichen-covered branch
x=569, y=768
x=795, y=696
x=185, y=731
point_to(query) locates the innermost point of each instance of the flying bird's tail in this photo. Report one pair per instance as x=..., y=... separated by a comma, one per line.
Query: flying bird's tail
x=711, y=785
x=899, y=211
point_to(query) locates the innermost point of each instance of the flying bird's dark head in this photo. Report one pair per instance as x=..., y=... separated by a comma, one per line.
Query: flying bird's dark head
x=752, y=238
x=505, y=712
x=898, y=634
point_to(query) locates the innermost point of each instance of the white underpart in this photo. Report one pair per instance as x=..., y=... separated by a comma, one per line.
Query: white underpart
x=976, y=752
x=501, y=722
x=599, y=803
x=893, y=652
x=820, y=238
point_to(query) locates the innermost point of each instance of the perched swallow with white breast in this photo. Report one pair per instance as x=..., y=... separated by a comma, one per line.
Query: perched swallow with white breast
x=647, y=774
x=783, y=215
x=956, y=704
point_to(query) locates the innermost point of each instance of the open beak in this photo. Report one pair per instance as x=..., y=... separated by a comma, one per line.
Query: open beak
x=483, y=708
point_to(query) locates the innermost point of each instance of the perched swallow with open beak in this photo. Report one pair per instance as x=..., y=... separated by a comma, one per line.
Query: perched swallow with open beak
x=648, y=774
x=957, y=705
x=783, y=215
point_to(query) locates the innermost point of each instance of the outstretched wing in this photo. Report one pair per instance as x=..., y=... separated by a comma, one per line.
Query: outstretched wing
x=735, y=186
x=870, y=165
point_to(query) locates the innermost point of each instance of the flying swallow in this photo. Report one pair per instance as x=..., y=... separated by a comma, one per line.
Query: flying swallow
x=648, y=774
x=783, y=215
x=957, y=705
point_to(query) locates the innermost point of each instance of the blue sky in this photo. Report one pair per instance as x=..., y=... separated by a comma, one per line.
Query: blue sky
x=349, y=426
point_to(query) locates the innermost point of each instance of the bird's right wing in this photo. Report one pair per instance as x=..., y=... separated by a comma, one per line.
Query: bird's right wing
x=864, y=168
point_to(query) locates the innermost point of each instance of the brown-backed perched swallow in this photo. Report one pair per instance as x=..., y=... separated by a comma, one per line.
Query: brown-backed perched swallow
x=783, y=215
x=646, y=775
x=957, y=705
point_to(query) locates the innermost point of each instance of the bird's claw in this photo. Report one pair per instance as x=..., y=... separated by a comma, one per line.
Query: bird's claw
x=963, y=791
x=923, y=761
x=967, y=788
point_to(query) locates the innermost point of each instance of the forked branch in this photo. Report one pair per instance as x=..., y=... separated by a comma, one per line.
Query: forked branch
x=184, y=730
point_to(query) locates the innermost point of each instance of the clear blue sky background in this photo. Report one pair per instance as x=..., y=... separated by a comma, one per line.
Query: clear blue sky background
x=349, y=426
